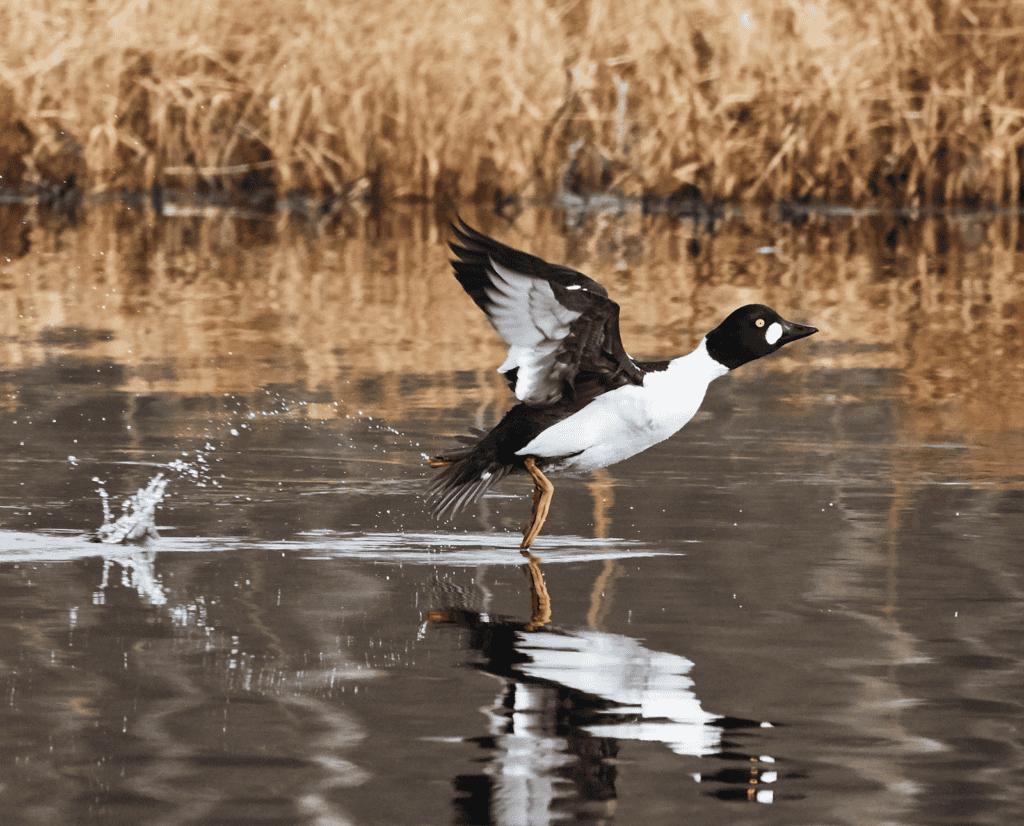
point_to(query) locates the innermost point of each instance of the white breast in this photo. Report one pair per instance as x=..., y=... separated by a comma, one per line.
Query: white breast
x=629, y=419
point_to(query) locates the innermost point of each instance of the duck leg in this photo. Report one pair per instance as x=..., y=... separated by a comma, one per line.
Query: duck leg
x=543, y=491
x=440, y=461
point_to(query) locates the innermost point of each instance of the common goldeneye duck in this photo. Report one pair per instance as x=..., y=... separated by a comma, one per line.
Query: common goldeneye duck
x=584, y=402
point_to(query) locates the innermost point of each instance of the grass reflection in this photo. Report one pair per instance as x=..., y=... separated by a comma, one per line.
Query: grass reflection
x=367, y=319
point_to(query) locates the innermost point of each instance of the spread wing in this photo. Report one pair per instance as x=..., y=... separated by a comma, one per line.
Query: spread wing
x=560, y=326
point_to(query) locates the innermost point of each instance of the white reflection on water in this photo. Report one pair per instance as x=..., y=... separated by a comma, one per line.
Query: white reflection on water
x=652, y=687
x=137, y=571
x=457, y=550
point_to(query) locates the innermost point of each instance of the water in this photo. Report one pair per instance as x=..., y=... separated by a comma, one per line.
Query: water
x=804, y=609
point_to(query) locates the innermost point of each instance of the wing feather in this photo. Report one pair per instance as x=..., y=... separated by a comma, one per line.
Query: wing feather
x=557, y=322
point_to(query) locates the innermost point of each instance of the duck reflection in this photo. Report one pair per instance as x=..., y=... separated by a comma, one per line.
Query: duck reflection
x=568, y=698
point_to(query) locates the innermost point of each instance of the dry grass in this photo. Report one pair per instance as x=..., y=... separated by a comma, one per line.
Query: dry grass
x=842, y=100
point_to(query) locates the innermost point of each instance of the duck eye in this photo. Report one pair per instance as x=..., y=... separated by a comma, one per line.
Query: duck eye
x=759, y=322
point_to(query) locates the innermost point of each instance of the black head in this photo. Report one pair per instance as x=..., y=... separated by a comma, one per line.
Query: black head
x=750, y=333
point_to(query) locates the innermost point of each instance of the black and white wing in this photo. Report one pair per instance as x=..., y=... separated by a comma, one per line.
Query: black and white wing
x=558, y=323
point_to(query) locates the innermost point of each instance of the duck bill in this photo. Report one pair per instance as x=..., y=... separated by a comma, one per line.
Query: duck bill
x=791, y=331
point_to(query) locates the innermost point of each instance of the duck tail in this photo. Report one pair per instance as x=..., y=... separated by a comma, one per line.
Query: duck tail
x=468, y=474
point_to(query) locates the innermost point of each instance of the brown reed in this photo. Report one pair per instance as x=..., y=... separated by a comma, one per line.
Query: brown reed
x=839, y=100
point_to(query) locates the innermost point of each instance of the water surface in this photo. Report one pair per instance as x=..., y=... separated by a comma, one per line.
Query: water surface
x=803, y=609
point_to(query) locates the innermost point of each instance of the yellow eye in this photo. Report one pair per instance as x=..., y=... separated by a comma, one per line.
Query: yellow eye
x=759, y=322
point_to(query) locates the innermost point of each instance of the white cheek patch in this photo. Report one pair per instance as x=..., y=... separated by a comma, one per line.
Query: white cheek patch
x=773, y=333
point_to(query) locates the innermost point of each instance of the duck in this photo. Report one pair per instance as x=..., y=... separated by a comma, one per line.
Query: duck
x=583, y=402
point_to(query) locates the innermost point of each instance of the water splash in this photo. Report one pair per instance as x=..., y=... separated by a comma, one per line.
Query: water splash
x=138, y=522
